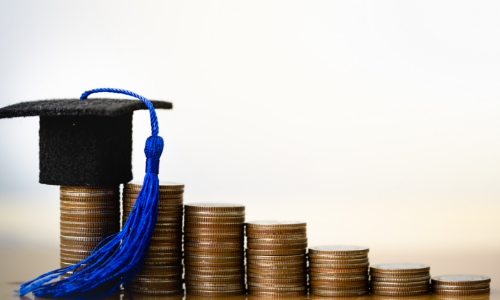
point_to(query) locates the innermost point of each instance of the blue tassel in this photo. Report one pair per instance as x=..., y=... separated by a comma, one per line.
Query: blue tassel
x=118, y=258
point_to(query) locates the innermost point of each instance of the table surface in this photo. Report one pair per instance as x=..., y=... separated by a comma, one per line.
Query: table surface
x=21, y=263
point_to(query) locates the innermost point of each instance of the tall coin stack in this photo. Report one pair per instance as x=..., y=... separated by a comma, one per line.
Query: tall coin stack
x=460, y=285
x=276, y=258
x=214, y=249
x=338, y=271
x=161, y=273
x=88, y=215
x=400, y=279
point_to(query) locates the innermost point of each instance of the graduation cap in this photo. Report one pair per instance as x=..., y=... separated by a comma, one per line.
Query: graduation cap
x=88, y=142
x=83, y=142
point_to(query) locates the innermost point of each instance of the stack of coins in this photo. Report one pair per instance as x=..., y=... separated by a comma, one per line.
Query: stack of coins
x=338, y=271
x=88, y=215
x=400, y=279
x=161, y=273
x=461, y=285
x=214, y=249
x=276, y=258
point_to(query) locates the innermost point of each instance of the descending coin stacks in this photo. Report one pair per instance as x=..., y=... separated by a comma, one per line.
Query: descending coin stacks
x=276, y=258
x=338, y=270
x=461, y=285
x=161, y=273
x=400, y=279
x=214, y=249
x=88, y=215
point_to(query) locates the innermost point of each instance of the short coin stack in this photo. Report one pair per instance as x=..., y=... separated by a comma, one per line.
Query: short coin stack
x=214, y=249
x=88, y=215
x=276, y=258
x=400, y=279
x=161, y=273
x=460, y=285
x=338, y=270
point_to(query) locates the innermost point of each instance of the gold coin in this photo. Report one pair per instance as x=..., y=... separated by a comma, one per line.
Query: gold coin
x=101, y=234
x=215, y=207
x=399, y=268
x=338, y=266
x=460, y=279
x=401, y=279
x=300, y=278
x=276, y=285
x=425, y=287
x=194, y=225
x=412, y=293
x=90, y=205
x=313, y=256
x=462, y=292
x=276, y=246
x=276, y=252
x=339, y=270
x=206, y=286
x=280, y=231
x=229, y=219
x=276, y=236
x=339, y=262
x=214, y=231
x=271, y=258
x=252, y=288
x=228, y=279
x=272, y=224
x=336, y=283
x=277, y=294
x=214, y=272
x=214, y=293
x=201, y=250
x=278, y=273
x=400, y=284
x=268, y=264
x=437, y=287
x=161, y=269
x=339, y=250
x=209, y=258
x=169, y=293
x=277, y=241
x=327, y=293
x=256, y=267
x=238, y=241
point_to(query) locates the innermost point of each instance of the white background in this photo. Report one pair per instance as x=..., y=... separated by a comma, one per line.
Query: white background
x=377, y=122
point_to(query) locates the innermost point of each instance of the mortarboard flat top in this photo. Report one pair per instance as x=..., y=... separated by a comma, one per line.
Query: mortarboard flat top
x=83, y=142
x=77, y=107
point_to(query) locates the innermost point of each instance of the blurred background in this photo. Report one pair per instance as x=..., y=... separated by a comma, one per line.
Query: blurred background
x=377, y=123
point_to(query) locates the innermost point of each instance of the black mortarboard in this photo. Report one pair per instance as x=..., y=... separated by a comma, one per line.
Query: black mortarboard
x=83, y=142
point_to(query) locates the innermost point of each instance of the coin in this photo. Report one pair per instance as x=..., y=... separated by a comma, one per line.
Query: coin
x=462, y=292
x=339, y=250
x=399, y=268
x=401, y=279
x=340, y=262
x=276, y=252
x=275, y=225
x=215, y=207
x=214, y=293
x=437, y=287
x=230, y=219
x=329, y=293
x=460, y=279
x=276, y=241
x=401, y=293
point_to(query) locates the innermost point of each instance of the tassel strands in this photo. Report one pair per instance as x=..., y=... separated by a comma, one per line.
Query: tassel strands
x=119, y=257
